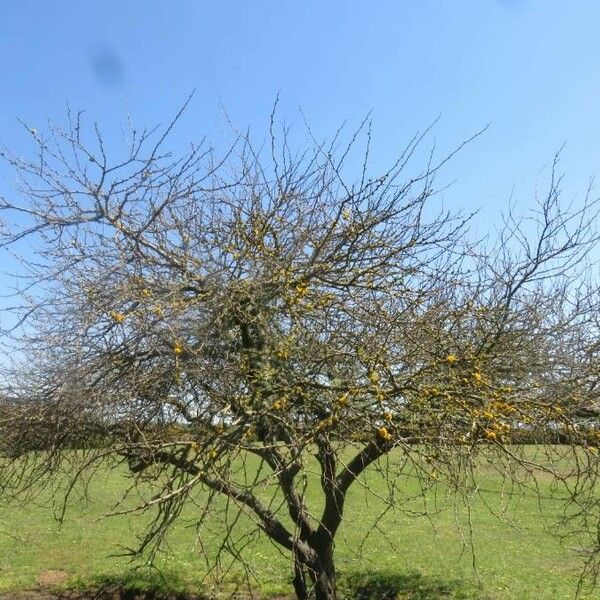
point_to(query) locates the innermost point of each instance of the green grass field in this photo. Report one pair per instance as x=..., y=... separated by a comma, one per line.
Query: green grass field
x=423, y=558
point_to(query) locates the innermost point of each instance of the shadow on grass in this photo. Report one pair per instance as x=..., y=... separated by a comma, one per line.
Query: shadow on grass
x=153, y=584
x=385, y=585
x=142, y=584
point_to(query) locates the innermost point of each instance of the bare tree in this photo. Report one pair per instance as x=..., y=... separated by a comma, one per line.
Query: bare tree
x=219, y=322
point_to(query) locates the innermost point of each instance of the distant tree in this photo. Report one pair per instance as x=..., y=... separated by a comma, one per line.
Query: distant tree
x=192, y=315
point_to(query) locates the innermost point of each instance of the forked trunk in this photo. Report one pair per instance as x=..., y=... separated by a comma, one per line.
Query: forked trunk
x=314, y=578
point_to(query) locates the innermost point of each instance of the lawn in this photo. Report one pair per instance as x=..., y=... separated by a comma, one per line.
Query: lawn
x=423, y=558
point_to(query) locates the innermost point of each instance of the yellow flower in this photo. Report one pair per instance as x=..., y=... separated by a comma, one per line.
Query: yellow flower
x=278, y=405
x=490, y=435
x=478, y=377
x=302, y=289
x=178, y=347
x=374, y=378
x=384, y=434
x=451, y=359
x=328, y=422
x=388, y=416
x=343, y=399
x=117, y=316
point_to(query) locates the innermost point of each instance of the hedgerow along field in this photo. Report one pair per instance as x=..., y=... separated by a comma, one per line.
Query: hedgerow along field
x=502, y=549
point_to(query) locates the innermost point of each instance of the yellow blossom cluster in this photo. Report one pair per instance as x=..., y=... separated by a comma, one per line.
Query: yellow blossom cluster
x=384, y=434
x=117, y=316
x=343, y=399
x=326, y=423
x=279, y=404
x=302, y=289
x=374, y=377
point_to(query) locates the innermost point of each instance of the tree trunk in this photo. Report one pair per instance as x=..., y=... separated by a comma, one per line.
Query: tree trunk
x=314, y=578
x=325, y=579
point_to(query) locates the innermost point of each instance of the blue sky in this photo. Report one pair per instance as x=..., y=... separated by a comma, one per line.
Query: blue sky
x=531, y=69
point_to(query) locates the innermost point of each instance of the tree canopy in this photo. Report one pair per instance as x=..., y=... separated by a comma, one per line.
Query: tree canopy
x=184, y=315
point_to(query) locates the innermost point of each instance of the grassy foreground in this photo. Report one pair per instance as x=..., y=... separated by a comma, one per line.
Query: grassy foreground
x=420, y=558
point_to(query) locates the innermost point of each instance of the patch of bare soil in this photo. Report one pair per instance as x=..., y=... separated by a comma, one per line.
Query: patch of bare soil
x=48, y=579
x=40, y=595
x=104, y=594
